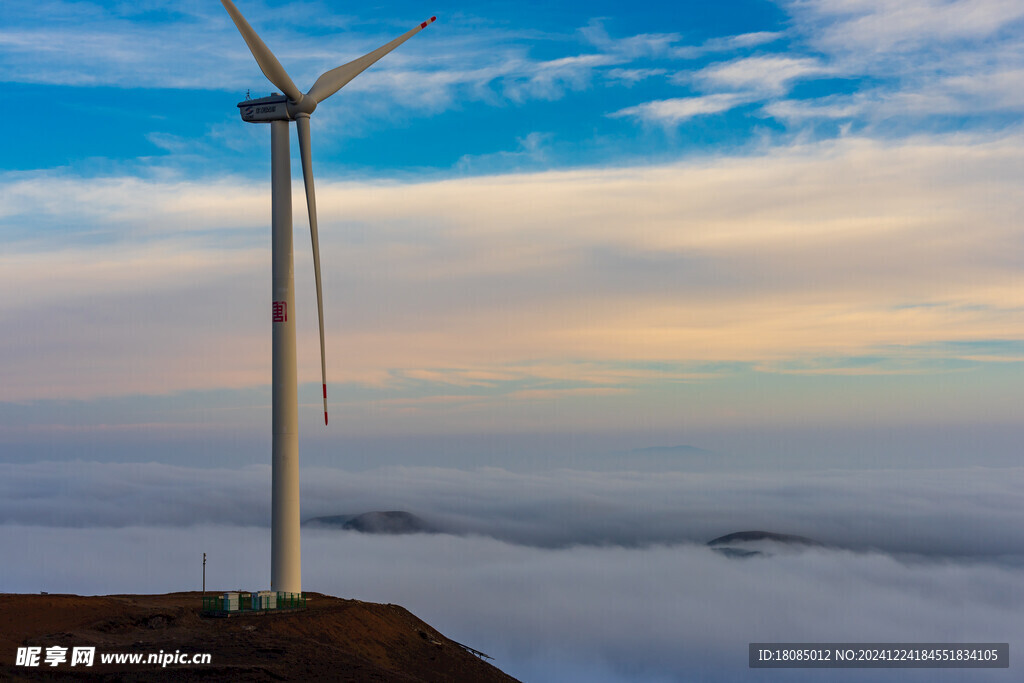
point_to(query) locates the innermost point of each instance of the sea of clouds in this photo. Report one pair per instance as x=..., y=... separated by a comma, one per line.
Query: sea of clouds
x=565, y=575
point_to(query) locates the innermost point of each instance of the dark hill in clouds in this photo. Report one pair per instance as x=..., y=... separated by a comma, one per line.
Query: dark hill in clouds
x=748, y=536
x=760, y=544
x=332, y=640
x=390, y=522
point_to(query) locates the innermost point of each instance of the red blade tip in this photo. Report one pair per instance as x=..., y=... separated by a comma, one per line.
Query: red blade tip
x=325, y=417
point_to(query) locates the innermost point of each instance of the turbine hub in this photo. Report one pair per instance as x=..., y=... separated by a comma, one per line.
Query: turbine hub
x=304, y=107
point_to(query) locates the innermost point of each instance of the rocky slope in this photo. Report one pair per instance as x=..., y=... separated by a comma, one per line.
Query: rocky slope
x=332, y=640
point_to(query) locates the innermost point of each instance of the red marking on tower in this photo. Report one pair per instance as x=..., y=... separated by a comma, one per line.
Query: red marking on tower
x=280, y=309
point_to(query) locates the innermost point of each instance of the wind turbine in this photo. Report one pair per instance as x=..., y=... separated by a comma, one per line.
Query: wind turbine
x=278, y=110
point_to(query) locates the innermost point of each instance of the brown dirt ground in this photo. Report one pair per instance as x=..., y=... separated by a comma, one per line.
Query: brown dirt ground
x=332, y=640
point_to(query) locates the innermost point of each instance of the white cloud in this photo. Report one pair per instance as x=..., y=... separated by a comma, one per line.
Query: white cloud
x=917, y=60
x=752, y=39
x=985, y=92
x=878, y=27
x=632, y=47
x=532, y=151
x=769, y=75
x=198, y=48
x=668, y=613
x=727, y=44
x=550, y=79
x=798, y=111
x=752, y=259
x=676, y=110
x=630, y=77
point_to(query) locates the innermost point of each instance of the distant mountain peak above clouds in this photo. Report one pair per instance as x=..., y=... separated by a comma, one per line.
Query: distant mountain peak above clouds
x=377, y=522
x=750, y=536
x=743, y=544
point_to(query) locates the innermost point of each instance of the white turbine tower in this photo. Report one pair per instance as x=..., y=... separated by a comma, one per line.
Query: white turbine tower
x=278, y=110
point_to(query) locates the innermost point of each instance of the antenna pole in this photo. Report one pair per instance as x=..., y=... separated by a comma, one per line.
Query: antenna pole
x=204, y=573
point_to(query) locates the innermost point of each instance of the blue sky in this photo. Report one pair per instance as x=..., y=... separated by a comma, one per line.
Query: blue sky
x=637, y=225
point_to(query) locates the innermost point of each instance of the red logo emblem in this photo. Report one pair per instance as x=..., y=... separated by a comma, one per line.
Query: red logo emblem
x=280, y=311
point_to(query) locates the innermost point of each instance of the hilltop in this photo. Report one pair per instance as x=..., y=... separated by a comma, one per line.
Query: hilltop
x=333, y=639
x=390, y=522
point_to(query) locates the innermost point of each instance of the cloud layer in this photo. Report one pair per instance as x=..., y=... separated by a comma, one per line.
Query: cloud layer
x=564, y=575
x=875, y=66
x=948, y=513
x=597, y=614
x=845, y=258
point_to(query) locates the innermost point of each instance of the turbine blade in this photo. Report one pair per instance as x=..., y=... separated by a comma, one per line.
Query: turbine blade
x=302, y=126
x=271, y=68
x=333, y=80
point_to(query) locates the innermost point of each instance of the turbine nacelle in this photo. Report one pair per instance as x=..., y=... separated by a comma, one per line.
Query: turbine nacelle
x=275, y=107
